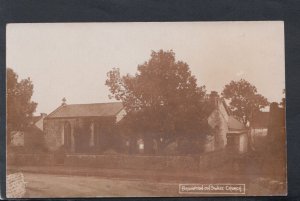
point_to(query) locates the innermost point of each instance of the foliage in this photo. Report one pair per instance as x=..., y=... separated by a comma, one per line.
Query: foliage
x=244, y=99
x=161, y=98
x=283, y=101
x=19, y=105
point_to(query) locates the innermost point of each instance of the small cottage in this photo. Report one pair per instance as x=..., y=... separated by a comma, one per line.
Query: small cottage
x=31, y=137
x=34, y=134
x=222, y=122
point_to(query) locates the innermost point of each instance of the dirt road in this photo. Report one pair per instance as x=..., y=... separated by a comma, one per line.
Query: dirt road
x=49, y=185
x=43, y=185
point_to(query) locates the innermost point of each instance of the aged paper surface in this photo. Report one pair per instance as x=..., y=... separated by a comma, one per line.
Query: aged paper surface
x=146, y=109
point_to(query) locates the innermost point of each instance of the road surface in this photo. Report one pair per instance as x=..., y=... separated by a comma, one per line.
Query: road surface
x=44, y=185
x=50, y=185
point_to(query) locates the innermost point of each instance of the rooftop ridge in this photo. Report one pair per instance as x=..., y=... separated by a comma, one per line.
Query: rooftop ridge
x=92, y=103
x=87, y=109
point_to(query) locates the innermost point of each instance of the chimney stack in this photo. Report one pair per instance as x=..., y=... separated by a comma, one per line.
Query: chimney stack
x=214, y=97
x=43, y=114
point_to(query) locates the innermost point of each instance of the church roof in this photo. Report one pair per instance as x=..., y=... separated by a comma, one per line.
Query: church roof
x=87, y=110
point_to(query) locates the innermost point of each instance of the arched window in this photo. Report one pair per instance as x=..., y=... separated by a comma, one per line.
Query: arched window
x=92, y=134
x=67, y=136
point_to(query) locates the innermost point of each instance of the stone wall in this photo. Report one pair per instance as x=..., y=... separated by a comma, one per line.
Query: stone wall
x=217, y=120
x=133, y=162
x=81, y=135
x=53, y=129
x=30, y=159
x=192, y=163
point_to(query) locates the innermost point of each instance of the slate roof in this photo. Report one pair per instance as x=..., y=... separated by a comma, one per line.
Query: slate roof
x=87, y=110
x=234, y=124
x=209, y=106
x=35, y=119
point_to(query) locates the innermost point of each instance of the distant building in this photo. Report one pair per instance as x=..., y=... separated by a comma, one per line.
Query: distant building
x=32, y=136
x=260, y=123
x=263, y=122
x=37, y=121
x=270, y=124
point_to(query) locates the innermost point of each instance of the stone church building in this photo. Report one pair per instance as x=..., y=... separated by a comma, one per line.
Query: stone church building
x=81, y=128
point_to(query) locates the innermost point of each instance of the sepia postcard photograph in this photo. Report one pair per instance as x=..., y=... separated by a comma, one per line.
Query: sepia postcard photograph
x=145, y=109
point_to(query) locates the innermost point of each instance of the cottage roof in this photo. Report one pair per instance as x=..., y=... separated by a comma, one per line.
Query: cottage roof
x=234, y=124
x=35, y=119
x=211, y=104
x=87, y=110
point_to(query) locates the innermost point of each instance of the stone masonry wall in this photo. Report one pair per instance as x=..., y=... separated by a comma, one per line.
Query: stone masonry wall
x=217, y=121
x=122, y=161
x=53, y=129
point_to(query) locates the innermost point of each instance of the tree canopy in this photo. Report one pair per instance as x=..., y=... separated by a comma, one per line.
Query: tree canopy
x=162, y=96
x=283, y=100
x=244, y=99
x=20, y=107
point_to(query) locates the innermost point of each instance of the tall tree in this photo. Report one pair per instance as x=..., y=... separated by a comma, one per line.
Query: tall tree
x=283, y=101
x=19, y=105
x=244, y=99
x=162, y=97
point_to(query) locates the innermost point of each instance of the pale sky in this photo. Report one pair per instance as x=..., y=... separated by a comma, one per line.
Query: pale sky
x=71, y=59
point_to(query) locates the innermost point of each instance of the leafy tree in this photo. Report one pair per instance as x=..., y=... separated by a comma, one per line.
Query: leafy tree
x=283, y=101
x=19, y=105
x=244, y=99
x=161, y=98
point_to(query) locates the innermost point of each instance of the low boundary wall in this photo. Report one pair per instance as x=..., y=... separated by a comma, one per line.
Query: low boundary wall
x=195, y=162
x=30, y=159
